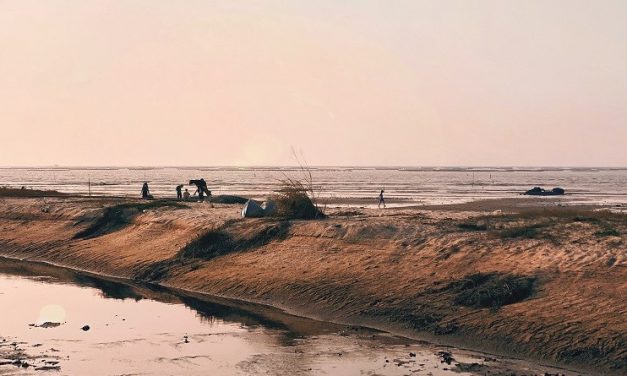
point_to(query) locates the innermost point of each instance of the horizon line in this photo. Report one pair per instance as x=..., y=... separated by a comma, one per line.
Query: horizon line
x=305, y=166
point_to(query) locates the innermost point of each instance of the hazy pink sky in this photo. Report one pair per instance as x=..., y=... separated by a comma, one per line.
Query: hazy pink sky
x=347, y=82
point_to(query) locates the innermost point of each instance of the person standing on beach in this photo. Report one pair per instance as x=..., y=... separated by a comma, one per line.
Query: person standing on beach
x=179, y=192
x=145, y=191
x=381, y=200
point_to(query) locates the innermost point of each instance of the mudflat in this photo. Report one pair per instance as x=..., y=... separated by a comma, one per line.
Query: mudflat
x=520, y=276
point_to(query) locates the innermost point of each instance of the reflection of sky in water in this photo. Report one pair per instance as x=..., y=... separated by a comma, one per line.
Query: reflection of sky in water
x=140, y=330
x=429, y=186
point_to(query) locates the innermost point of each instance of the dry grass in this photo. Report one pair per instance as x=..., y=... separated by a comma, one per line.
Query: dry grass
x=228, y=199
x=297, y=198
x=468, y=226
x=492, y=290
x=230, y=238
x=15, y=192
x=294, y=202
x=114, y=218
x=530, y=231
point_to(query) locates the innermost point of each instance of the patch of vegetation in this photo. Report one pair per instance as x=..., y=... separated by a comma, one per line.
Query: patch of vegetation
x=221, y=241
x=467, y=226
x=347, y=213
x=228, y=199
x=607, y=231
x=114, y=218
x=297, y=198
x=211, y=244
x=522, y=232
x=23, y=192
x=574, y=214
x=294, y=202
x=492, y=290
x=584, y=218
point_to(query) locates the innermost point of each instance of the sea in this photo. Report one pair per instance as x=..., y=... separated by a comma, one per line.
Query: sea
x=343, y=186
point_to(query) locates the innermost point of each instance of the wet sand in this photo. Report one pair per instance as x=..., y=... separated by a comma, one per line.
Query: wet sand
x=139, y=329
x=401, y=270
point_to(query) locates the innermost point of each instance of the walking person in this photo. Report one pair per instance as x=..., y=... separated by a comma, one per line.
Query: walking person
x=381, y=200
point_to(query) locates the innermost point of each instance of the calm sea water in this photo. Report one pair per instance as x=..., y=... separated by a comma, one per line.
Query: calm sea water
x=402, y=185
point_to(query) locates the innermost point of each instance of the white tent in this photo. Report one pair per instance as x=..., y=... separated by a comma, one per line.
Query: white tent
x=252, y=210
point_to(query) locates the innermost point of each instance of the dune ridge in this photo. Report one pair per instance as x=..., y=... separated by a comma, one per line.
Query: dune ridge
x=544, y=284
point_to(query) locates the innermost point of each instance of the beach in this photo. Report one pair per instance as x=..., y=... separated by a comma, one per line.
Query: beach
x=336, y=186
x=541, y=281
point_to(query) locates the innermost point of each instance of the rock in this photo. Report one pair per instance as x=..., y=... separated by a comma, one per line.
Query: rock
x=85, y=328
x=537, y=191
x=558, y=191
x=48, y=324
x=412, y=355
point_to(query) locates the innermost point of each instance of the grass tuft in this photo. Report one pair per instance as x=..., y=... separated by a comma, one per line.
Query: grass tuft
x=607, y=231
x=522, y=232
x=294, y=202
x=492, y=290
x=472, y=226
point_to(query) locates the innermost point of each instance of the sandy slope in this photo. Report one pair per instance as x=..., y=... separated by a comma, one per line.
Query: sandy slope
x=395, y=271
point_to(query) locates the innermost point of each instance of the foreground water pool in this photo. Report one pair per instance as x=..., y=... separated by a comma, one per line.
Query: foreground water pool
x=55, y=321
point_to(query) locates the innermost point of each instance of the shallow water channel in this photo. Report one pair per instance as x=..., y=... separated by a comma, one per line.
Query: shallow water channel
x=140, y=330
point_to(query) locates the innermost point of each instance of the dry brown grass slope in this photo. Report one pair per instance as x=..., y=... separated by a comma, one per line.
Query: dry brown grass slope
x=548, y=285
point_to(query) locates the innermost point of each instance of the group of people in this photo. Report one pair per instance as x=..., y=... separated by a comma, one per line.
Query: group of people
x=201, y=190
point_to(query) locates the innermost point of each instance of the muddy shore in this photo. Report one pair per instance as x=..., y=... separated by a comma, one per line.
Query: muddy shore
x=522, y=277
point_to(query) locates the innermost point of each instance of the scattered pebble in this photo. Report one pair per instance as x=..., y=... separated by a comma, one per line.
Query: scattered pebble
x=85, y=328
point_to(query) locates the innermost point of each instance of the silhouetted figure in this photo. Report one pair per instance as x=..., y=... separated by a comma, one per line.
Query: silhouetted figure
x=186, y=195
x=145, y=191
x=381, y=200
x=179, y=193
x=201, y=188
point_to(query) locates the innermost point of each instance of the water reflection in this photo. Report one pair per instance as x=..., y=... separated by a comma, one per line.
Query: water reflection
x=139, y=329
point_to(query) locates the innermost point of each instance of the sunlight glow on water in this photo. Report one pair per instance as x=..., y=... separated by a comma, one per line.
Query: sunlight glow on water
x=53, y=313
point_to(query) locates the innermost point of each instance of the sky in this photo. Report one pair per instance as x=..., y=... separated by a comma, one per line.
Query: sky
x=376, y=83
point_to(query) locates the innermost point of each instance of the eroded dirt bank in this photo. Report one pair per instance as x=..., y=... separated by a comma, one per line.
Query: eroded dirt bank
x=544, y=284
